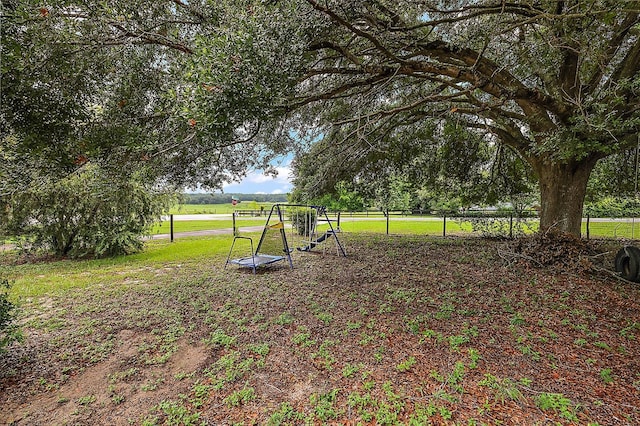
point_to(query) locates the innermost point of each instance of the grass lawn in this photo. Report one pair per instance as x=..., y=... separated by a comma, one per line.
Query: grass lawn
x=403, y=226
x=405, y=330
x=200, y=225
x=627, y=230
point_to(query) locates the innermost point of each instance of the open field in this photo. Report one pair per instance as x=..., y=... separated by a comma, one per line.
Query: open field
x=409, y=225
x=216, y=208
x=200, y=225
x=405, y=330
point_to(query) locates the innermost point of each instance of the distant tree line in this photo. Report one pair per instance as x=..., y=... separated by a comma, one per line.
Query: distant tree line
x=226, y=198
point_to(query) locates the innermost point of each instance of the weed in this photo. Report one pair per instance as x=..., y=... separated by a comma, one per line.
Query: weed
x=151, y=386
x=474, y=356
x=430, y=334
x=386, y=415
x=86, y=400
x=284, y=318
x=361, y=402
x=122, y=375
x=303, y=339
x=325, y=317
x=445, y=413
x=228, y=369
x=421, y=416
x=242, y=396
x=117, y=399
x=325, y=356
x=219, y=339
x=517, y=319
x=323, y=405
x=503, y=389
x=526, y=382
x=628, y=331
x=456, y=341
x=437, y=376
x=602, y=345
x=284, y=415
x=406, y=364
x=182, y=376
x=349, y=370
x=200, y=392
x=177, y=414
x=353, y=325
x=558, y=403
x=606, y=376
x=527, y=350
x=445, y=311
x=261, y=349
x=378, y=354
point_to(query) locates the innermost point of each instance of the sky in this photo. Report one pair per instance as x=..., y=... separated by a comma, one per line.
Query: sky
x=257, y=183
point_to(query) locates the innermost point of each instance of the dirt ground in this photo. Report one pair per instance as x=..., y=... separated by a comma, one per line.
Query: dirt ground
x=405, y=330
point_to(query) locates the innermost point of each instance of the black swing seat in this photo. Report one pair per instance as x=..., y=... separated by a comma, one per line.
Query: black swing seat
x=314, y=243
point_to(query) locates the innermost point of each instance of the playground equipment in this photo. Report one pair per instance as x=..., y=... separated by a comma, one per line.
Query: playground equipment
x=310, y=224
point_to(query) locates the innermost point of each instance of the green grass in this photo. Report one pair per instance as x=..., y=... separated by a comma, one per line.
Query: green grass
x=54, y=278
x=201, y=225
x=400, y=226
x=227, y=208
x=612, y=229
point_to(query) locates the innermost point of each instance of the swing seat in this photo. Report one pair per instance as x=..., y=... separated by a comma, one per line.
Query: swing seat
x=256, y=260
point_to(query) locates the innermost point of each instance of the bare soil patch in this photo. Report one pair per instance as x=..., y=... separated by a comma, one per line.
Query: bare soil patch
x=406, y=330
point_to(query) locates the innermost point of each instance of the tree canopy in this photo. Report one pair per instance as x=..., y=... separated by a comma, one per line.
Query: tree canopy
x=197, y=92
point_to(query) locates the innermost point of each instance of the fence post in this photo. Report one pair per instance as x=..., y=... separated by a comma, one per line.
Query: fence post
x=511, y=225
x=387, y=221
x=444, y=224
x=171, y=223
x=588, y=218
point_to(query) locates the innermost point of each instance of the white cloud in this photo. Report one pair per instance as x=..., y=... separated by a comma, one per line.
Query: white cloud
x=257, y=183
x=284, y=174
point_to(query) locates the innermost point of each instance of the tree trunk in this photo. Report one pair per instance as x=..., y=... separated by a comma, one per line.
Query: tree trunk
x=562, y=190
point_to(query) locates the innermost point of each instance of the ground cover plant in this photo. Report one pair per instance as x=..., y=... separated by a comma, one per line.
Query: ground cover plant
x=405, y=330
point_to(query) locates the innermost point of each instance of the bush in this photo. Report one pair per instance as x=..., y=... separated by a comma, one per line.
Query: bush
x=614, y=207
x=303, y=219
x=9, y=331
x=495, y=226
x=86, y=214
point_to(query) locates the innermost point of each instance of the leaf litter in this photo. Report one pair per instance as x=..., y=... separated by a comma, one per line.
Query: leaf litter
x=405, y=329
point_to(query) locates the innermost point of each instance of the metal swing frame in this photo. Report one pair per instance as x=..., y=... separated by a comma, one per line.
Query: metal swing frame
x=312, y=230
x=257, y=258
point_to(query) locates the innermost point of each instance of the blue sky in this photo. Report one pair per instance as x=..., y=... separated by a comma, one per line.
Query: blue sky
x=257, y=183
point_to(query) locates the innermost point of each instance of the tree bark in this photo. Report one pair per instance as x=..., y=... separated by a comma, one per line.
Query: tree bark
x=562, y=190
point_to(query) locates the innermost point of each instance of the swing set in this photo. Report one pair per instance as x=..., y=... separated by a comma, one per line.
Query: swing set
x=309, y=226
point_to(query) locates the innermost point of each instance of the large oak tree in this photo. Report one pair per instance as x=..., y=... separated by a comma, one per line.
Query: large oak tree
x=557, y=82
